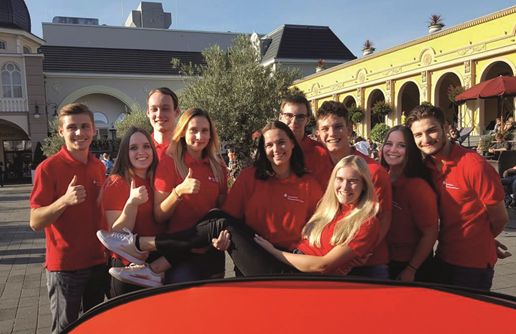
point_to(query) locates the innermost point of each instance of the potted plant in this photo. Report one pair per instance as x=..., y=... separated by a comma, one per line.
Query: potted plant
x=367, y=48
x=453, y=91
x=381, y=108
x=320, y=65
x=356, y=114
x=379, y=132
x=435, y=23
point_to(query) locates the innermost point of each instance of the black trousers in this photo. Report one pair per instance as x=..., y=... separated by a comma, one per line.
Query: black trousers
x=249, y=257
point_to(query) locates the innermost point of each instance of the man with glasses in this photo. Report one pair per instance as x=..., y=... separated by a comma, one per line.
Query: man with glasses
x=295, y=112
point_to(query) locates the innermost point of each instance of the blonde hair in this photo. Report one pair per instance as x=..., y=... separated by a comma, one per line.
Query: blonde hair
x=329, y=206
x=177, y=147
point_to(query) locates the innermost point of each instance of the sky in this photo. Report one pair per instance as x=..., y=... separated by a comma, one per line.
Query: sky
x=385, y=23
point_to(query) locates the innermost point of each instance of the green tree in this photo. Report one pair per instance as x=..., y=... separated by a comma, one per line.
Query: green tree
x=239, y=93
x=379, y=132
x=137, y=118
x=52, y=144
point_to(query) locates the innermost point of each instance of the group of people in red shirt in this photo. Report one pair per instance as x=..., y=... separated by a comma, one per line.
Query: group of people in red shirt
x=167, y=215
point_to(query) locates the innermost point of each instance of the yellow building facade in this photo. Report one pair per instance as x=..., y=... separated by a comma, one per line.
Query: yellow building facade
x=424, y=70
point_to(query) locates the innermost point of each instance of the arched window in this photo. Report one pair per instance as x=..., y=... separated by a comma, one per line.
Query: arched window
x=11, y=81
x=100, y=119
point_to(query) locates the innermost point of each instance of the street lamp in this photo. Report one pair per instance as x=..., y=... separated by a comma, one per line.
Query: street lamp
x=36, y=111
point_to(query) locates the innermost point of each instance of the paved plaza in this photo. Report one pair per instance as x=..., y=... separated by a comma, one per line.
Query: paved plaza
x=24, y=306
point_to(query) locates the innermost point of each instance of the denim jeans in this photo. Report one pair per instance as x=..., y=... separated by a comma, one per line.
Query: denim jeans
x=379, y=271
x=476, y=278
x=68, y=291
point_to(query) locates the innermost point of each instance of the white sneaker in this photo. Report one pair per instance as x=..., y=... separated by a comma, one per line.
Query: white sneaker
x=122, y=243
x=136, y=274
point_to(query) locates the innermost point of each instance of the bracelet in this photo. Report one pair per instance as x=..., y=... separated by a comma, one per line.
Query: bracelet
x=177, y=195
x=411, y=267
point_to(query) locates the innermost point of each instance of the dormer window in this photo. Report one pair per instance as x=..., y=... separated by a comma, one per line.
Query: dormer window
x=26, y=49
x=10, y=76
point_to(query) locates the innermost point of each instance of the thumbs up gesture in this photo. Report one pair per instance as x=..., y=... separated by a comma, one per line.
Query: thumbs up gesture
x=75, y=194
x=137, y=195
x=190, y=185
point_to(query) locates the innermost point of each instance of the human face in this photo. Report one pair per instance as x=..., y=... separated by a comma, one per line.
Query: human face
x=197, y=135
x=140, y=153
x=429, y=135
x=333, y=133
x=278, y=148
x=348, y=185
x=395, y=149
x=162, y=112
x=295, y=115
x=78, y=131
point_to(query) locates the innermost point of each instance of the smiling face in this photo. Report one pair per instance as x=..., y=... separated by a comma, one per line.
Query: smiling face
x=77, y=131
x=140, y=154
x=295, y=115
x=429, y=135
x=197, y=135
x=333, y=132
x=395, y=149
x=162, y=112
x=278, y=148
x=348, y=185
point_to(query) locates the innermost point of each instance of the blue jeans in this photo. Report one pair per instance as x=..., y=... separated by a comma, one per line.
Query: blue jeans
x=476, y=278
x=69, y=290
x=380, y=271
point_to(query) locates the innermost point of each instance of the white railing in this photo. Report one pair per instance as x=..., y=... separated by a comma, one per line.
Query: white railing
x=13, y=105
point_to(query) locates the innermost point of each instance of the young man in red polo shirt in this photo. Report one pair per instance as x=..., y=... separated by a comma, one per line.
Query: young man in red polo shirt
x=162, y=111
x=295, y=111
x=334, y=129
x=64, y=202
x=471, y=203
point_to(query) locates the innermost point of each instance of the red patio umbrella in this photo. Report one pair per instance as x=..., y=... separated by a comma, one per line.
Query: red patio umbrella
x=498, y=87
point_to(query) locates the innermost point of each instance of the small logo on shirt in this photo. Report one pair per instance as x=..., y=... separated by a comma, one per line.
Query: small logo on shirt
x=396, y=205
x=293, y=198
x=212, y=179
x=450, y=186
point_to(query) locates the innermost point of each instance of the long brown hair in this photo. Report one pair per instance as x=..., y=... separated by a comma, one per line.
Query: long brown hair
x=177, y=147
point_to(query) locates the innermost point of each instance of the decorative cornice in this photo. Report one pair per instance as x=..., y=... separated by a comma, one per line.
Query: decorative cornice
x=465, y=25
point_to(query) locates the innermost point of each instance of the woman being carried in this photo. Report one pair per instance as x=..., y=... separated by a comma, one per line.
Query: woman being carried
x=343, y=228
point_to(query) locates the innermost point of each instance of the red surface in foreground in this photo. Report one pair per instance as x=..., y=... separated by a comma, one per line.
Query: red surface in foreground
x=303, y=306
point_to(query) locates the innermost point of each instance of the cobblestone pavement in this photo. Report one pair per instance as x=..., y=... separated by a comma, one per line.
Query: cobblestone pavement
x=24, y=306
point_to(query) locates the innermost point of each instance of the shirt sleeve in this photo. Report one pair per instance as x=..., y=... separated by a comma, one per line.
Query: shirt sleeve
x=366, y=237
x=485, y=182
x=383, y=190
x=43, y=191
x=115, y=194
x=234, y=204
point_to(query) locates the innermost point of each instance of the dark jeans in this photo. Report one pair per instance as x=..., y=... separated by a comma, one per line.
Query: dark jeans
x=476, y=278
x=196, y=267
x=249, y=257
x=509, y=184
x=423, y=274
x=68, y=291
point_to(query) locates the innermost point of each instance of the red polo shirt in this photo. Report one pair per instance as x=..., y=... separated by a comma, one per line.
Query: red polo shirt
x=317, y=160
x=466, y=184
x=116, y=193
x=362, y=243
x=194, y=206
x=414, y=208
x=71, y=241
x=275, y=209
x=383, y=190
x=161, y=149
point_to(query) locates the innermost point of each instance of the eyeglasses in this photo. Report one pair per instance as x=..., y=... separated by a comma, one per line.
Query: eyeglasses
x=298, y=118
